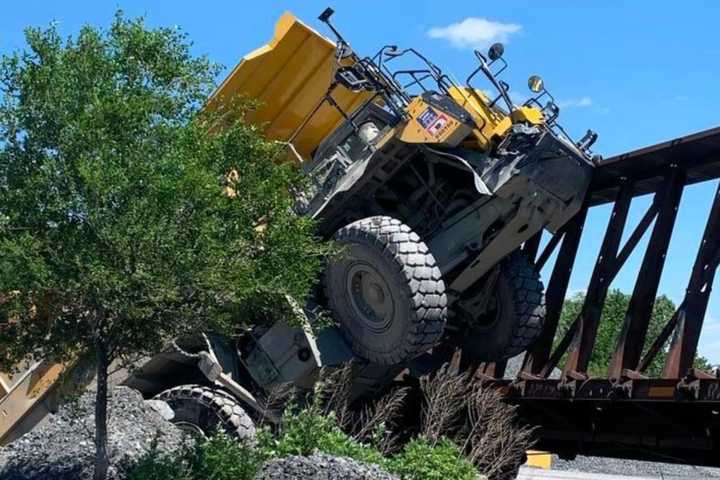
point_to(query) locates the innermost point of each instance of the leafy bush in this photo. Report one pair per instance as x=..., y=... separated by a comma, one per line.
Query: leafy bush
x=126, y=217
x=466, y=429
x=153, y=466
x=217, y=458
x=420, y=460
x=224, y=458
x=308, y=431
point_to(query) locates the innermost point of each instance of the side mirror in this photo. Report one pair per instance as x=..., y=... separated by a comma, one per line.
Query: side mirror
x=536, y=84
x=496, y=51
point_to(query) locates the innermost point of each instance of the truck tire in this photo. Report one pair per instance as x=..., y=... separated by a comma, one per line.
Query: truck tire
x=206, y=410
x=385, y=291
x=518, y=316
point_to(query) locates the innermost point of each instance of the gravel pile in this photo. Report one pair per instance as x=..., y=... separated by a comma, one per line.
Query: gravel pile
x=637, y=468
x=320, y=467
x=63, y=448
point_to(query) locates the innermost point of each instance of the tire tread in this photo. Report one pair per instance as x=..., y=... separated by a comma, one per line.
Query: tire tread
x=426, y=289
x=233, y=418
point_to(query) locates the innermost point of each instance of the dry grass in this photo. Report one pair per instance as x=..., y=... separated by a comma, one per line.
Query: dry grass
x=369, y=422
x=477, y=419
x=454, y=406
x=444, y=404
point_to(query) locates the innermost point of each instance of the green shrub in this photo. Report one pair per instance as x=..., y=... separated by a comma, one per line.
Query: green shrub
x=303, y=433
x=217, y=458
x=153, y=466
x=224, y=458
x=420, y=460
x=308, y=431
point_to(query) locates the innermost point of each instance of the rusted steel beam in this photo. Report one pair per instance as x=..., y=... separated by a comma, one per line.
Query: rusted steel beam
x=556, y=290
x=560, y=349
x=637, y=318
x=662, y=337
x=636, y=235
x=583, y=341
x=491, y=370
x=690, y=320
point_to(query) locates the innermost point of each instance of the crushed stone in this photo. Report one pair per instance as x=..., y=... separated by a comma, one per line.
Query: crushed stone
x=62, y=448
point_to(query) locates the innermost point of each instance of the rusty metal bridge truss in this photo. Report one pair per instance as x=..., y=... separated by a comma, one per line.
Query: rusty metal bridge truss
x=676, y=417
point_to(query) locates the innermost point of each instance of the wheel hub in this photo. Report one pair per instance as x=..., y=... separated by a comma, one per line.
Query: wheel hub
x=370, y=297
x=191, y=429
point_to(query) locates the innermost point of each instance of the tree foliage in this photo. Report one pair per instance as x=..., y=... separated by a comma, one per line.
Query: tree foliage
x=114, y=232
x=611, y=322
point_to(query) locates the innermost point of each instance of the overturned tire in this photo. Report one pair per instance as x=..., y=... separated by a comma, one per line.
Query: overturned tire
x=386, y=291
x=206, y=410
x=515, y=319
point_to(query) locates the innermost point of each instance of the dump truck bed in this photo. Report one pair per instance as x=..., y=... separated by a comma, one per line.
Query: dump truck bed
x=26, y=397
x=289, y=78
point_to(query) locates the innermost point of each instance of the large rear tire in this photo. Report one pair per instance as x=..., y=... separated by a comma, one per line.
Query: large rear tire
x=385, y=291
x=514, y=319
x=205, y=410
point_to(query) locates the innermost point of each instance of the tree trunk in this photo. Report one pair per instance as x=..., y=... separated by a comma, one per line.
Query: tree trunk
x=101, y=396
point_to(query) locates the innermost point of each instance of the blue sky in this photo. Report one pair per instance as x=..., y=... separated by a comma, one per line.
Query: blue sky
x=636, y=72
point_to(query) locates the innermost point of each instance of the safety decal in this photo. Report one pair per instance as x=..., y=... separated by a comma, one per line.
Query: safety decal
x=432, y=121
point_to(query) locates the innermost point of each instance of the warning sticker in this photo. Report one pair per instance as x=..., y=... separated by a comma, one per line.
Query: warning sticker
x=432, y=121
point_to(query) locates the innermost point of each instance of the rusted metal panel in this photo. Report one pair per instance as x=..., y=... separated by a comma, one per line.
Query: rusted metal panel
x=698, y=154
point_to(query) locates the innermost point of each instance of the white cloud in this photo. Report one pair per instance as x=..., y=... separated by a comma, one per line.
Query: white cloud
x=576, y=103
x=475, y=32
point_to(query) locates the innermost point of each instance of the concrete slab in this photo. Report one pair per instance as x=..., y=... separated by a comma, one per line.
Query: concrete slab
x=527, y=473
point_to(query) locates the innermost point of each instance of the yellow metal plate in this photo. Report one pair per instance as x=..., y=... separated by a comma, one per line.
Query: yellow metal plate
x=539, y=459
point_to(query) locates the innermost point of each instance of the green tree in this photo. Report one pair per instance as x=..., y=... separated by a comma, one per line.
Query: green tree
x=114, y=232
x=611, y=322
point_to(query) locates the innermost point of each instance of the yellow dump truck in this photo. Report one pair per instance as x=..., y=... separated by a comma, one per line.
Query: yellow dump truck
x=431, y=185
